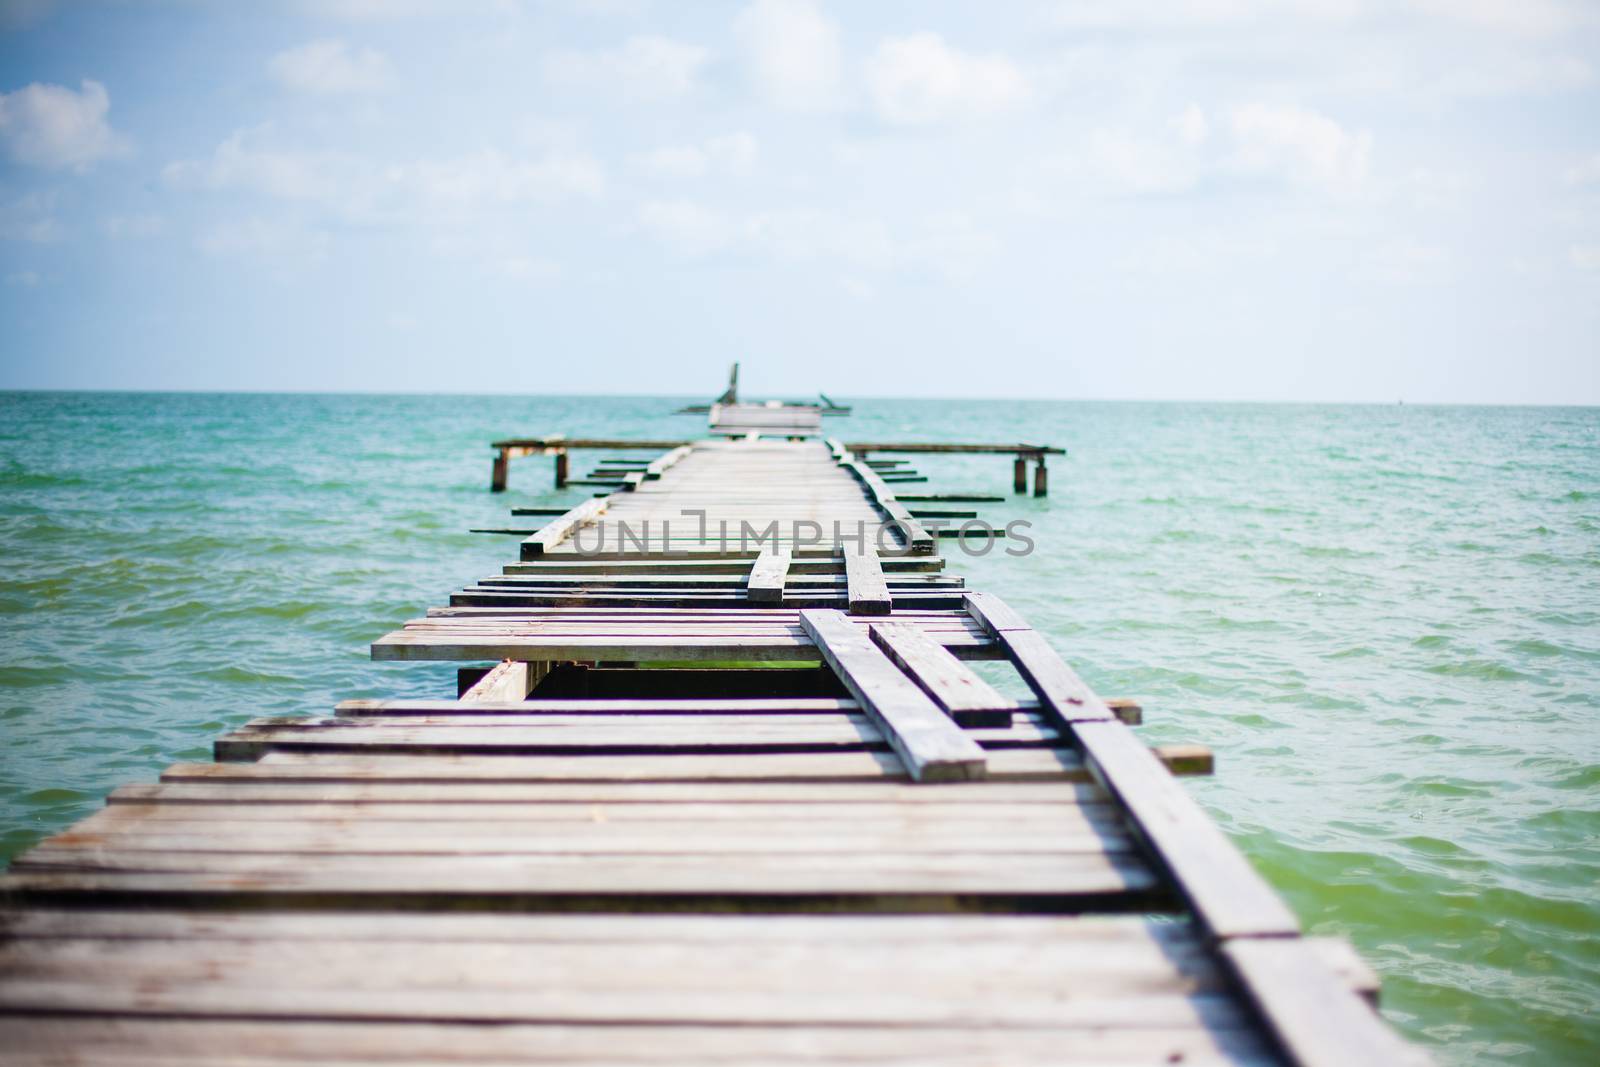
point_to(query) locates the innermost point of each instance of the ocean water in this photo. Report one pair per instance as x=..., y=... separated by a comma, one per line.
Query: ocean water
x=1385, y=620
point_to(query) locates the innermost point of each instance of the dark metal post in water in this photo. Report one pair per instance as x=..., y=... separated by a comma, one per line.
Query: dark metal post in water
x=1019, y=475
x=1041, y=478
x=561, y=469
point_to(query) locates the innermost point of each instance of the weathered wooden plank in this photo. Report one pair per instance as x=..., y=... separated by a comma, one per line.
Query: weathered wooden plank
x=507, y=681
x=680, y=967
x=768, y=575
x=1227, y=894
x=539, y=735
x=1027, y=764
x=868, y=595
x=666, y=462
x=440, y=814
x=934, y=881
x=1214, y=1035
x=1058, y=686
x=932, y=747
x=522, y=837
x=463, y=646
x=952, y=685
x=558, y=530
x=180, y=789
x=1127, y=711
x=908, y=448
x=1315, y=1016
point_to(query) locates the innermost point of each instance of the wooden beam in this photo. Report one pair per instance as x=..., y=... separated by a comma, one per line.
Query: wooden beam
x=553, y=533
x=497, y=473
x=767, y=575
x=959, y=692
x=868, y=594
x=562, y=441
x=1316, y=1016
x=952, y=448
x=1228, y=896
x=932, y=747
x=655, y=469
x=508, y=680
x=948, y=498
x=1058, y=686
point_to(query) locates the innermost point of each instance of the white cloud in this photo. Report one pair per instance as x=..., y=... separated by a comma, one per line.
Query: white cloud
x=920, y=79
x=806, y=234
x=53, y=127
x=26, y=279
x=733, y=153
x=791, y=52
x=359, y=188
x=952, y=246
x=691, y=228
x=1530, y=17
x=1191, y=125
x=1403, y=262
x=492, y=177
x=30, y=218
x=1178, y=15
x=1301, y=145
x=332, y=67
x=264, y=238
x=141, y=225
x=1127, y=163
x=530, y=269
x=1584, y=173
x=244, y=161
x=1585, y=257
x=641, y=67
x=394, y=10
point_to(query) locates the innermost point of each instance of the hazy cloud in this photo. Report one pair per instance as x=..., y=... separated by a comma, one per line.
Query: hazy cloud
x=332, y=67
x=641, y=67
x=30, y=218
x=920, y=79
x=791, y=52
x=57, y=128
x=1300, y=144
x=732, y=154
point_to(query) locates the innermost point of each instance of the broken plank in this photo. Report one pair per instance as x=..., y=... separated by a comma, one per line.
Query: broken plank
x=932, y=747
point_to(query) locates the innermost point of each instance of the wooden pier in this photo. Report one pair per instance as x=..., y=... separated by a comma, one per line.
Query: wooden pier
x=725, y=781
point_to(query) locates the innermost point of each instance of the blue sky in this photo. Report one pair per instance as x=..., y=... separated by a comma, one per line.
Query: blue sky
x=1341, y=200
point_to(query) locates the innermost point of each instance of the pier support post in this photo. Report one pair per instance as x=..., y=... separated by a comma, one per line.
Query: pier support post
x=1019, y=475
x=1041, y=478
x=497, y=474
x=561, y=469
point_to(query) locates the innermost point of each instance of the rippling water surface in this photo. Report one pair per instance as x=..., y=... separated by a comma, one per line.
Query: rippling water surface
x=1386, y=622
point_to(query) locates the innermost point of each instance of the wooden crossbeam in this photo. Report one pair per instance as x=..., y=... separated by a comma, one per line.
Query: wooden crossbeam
x=553, y=533
x=952, y=684
x=868, y=593
x=933, y=748
x=1058, y=686
x=767, y=575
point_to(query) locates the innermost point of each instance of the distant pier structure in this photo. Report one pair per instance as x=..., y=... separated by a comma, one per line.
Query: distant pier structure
x=768, y=786
x=727, y=416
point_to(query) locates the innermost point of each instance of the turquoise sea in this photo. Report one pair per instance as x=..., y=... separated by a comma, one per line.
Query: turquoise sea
x=1385, y=620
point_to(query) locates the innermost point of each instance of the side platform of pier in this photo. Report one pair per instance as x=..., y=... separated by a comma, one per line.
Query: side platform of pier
x=722, y=784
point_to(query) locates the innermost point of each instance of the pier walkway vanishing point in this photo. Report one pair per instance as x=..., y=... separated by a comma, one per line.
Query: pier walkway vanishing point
x=710, y=804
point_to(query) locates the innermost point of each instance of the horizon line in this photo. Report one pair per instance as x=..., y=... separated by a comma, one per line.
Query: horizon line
x=1398, y=402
